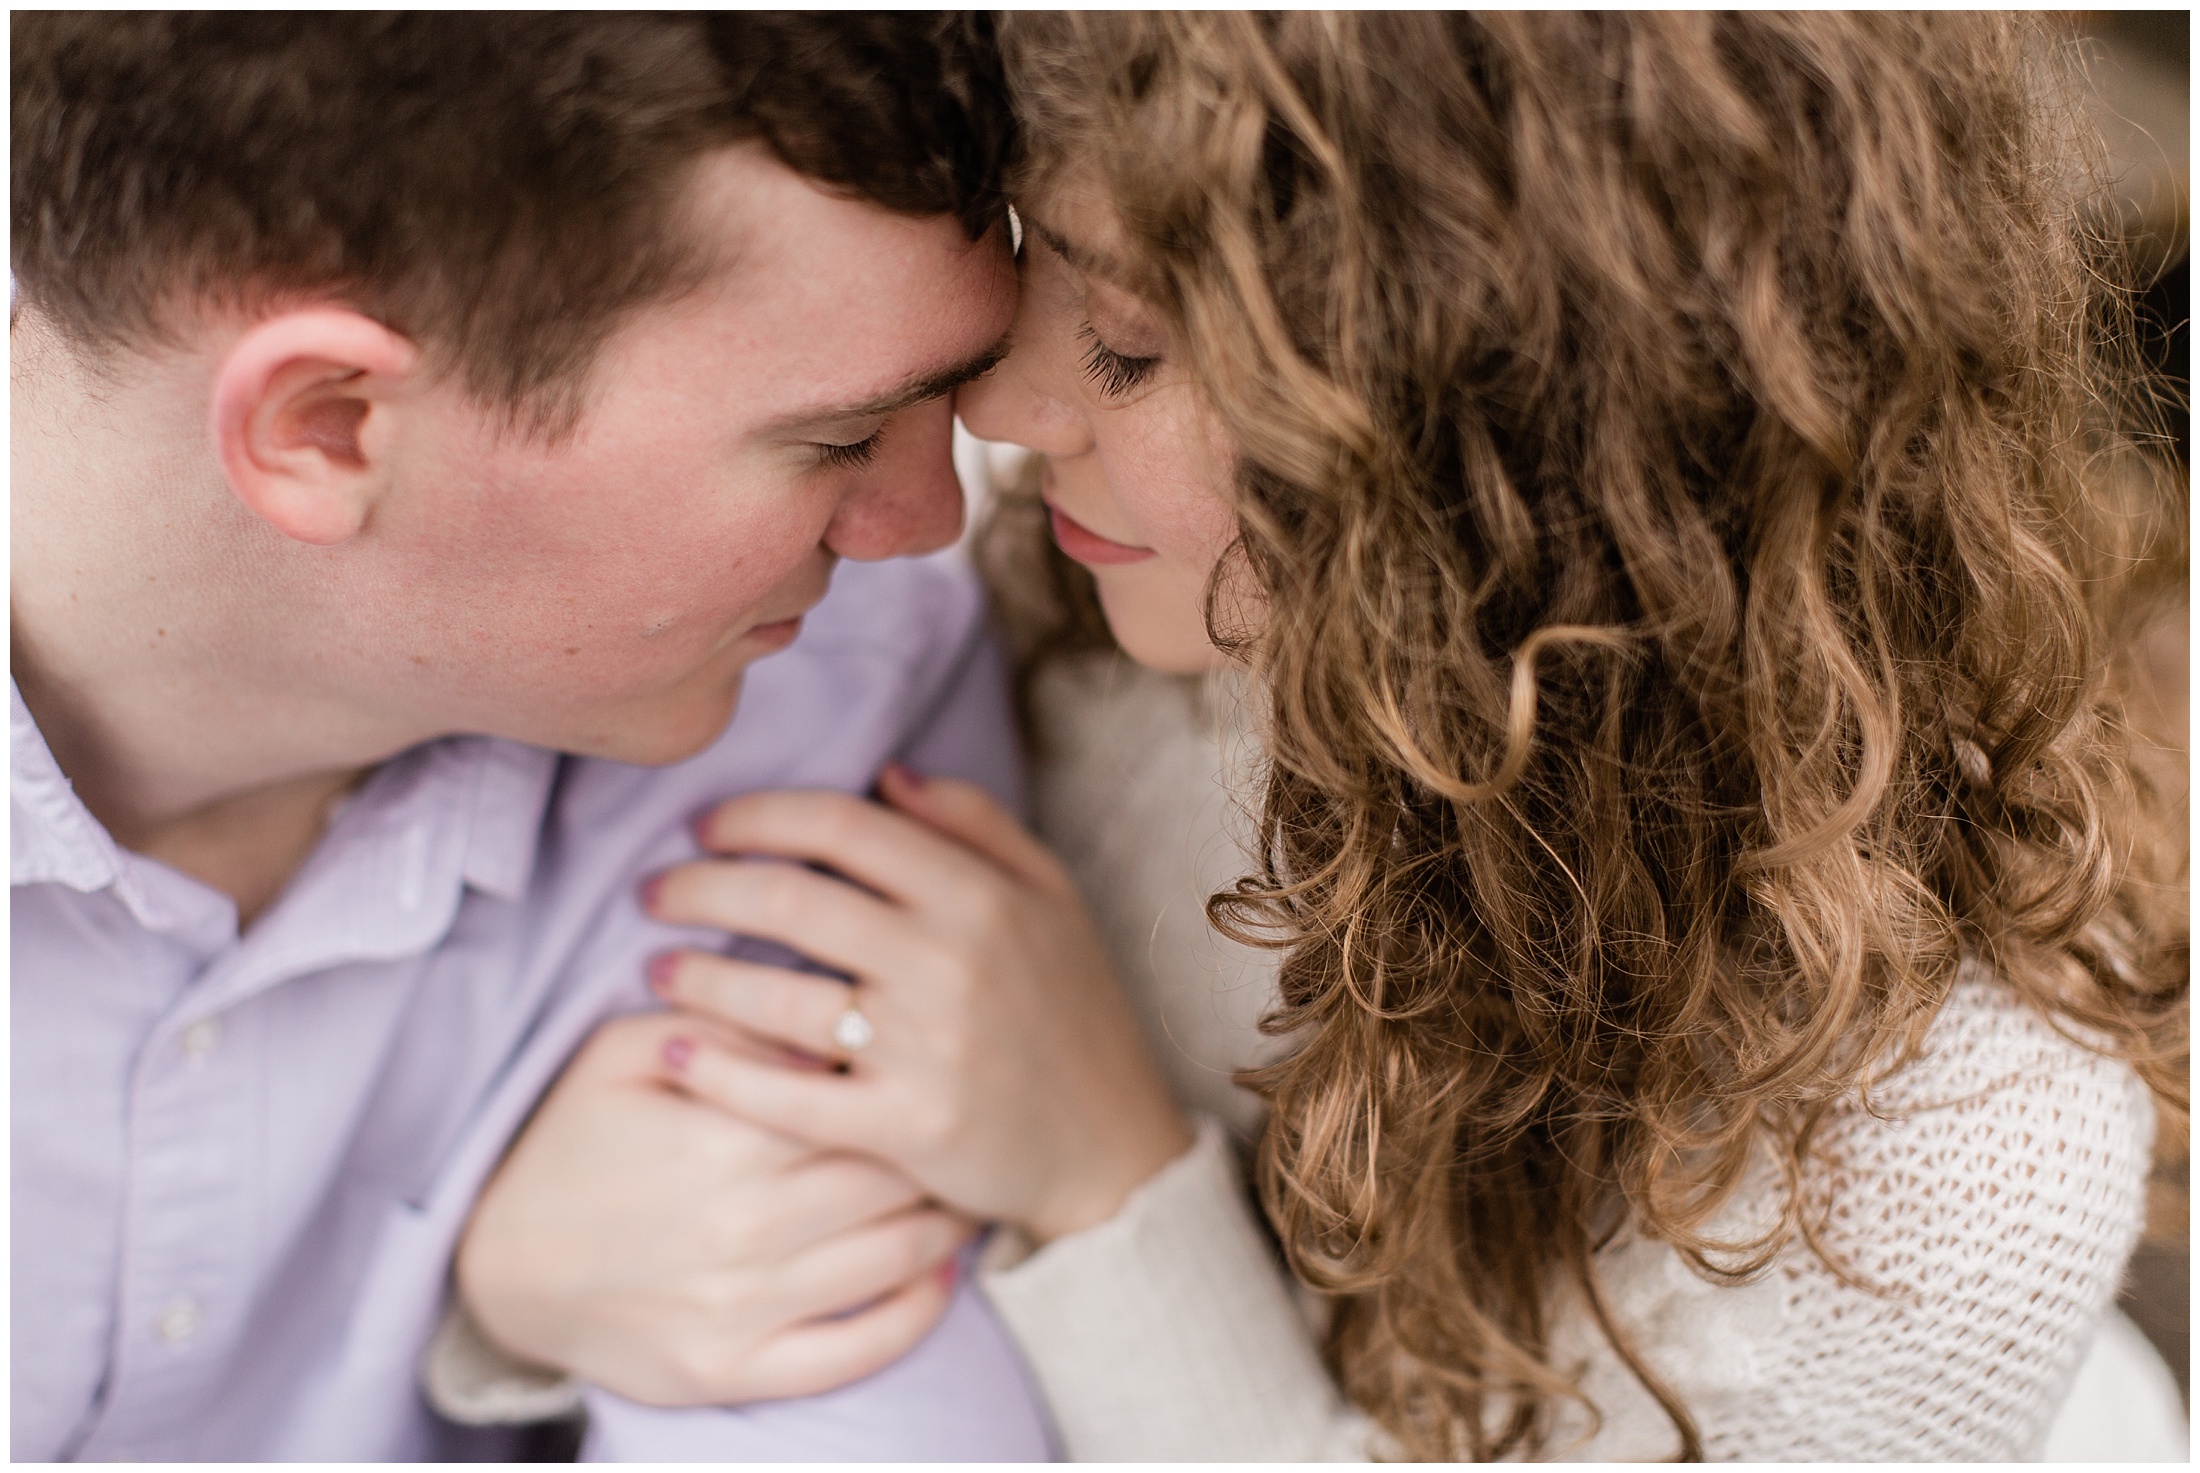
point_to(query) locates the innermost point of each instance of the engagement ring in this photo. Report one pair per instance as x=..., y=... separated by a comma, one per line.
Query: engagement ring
x=852, y=1032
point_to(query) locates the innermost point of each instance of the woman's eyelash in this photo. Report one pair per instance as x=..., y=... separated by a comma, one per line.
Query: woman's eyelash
x=1115, y=373
x=856, y=456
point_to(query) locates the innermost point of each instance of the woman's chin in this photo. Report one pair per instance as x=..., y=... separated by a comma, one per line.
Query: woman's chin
x=1173, y=646
x=1157, y=611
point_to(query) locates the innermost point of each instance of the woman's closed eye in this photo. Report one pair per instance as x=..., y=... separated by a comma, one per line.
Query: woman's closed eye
x=1115, y=374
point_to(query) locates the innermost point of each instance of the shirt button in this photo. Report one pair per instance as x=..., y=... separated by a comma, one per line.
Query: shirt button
x=199, y=1039
x=178, y=1322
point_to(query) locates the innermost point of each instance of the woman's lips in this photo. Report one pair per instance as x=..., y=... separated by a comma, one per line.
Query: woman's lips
x=1088, y=546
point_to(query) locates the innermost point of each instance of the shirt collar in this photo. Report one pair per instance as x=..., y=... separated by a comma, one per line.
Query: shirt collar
x=512, y=785
x=52, y=837
x=502, y=787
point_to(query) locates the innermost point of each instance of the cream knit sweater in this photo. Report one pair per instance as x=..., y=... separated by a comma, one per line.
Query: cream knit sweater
x=1992, y=1193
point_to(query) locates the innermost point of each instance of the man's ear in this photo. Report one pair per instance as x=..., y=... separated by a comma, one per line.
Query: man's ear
x=296, y=401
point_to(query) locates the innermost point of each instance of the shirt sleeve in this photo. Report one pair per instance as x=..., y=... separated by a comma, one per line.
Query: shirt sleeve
x=1170, y=1331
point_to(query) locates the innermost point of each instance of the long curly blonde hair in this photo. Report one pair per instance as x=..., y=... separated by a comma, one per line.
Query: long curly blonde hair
x=1671, y=451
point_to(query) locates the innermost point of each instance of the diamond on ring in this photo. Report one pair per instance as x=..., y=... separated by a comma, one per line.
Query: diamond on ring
x=852, y=1031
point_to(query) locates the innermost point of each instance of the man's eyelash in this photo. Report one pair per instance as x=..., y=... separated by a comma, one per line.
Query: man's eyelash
x=853, y=457
x=1115, y=373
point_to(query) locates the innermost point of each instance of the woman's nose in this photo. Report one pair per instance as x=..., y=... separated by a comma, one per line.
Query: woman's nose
x=1012, y=404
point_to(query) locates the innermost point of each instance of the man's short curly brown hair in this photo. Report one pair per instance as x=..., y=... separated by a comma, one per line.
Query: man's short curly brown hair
x=499, y=186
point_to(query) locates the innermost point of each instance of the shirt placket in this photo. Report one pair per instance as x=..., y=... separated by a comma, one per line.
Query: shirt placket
x=196, y=1151
x=197, y=1176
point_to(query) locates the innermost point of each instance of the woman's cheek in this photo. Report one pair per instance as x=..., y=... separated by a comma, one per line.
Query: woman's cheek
x=1182, y=481
x=1168, y=471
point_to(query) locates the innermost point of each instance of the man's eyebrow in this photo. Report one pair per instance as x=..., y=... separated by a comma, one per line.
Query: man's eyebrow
x=915, y=391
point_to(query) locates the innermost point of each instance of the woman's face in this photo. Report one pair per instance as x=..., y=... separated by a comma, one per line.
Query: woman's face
x=1137, y=465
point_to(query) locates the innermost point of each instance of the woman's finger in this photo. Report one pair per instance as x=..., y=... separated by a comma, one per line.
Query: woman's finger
x=825, y=919
x=796, y=1009
x=971, y=816
x=837, y=1110
x=629, y=1049
x=819, y=1355
x=869, y=843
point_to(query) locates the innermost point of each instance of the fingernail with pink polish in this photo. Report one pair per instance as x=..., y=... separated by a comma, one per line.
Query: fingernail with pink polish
x=946, y=1274
x=906, y=774
x=679, y=1053
x=662, y=966
x=649, y=890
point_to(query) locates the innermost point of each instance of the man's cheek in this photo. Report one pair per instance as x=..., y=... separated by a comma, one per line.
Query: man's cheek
x=716, y=571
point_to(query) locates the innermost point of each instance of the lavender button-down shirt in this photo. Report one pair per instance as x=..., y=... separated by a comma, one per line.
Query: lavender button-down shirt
x=240, y=1163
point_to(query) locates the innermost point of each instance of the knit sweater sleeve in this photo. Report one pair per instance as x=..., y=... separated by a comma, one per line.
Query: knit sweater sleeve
x=1981, y=1213
x=1978, y=1215
x=1170, y=1332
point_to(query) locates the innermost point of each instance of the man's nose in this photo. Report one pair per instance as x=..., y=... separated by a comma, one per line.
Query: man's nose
x=906, y=505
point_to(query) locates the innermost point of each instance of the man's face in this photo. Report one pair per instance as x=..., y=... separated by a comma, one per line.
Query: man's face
x=603, y=594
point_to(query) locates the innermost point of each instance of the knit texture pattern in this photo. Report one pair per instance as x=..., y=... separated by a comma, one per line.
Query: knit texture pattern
x=1996, y=1207
x=1978, y=1215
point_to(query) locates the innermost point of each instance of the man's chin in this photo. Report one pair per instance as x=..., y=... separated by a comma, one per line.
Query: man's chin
x=660, y=737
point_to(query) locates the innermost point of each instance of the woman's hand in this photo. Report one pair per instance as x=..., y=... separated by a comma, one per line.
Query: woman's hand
x=1005, y=1072
x=676, y=1256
